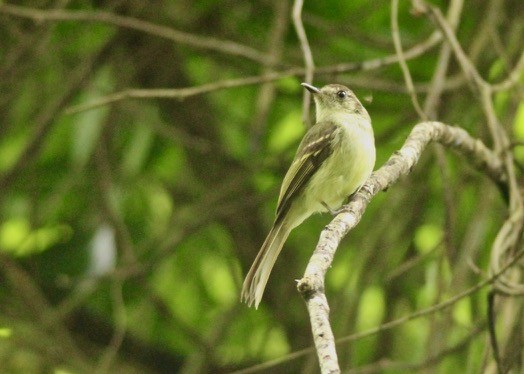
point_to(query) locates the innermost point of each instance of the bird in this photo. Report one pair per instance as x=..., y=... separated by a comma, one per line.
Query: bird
x=335, y=157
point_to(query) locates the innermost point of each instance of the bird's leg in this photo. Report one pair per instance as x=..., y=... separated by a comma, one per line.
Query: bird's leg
x=351, y=196
x=333, y=212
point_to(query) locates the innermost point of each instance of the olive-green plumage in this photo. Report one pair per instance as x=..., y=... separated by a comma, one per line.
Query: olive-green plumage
x=334, y=159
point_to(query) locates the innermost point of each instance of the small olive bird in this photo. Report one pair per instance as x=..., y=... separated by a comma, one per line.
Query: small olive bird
x=334, y=159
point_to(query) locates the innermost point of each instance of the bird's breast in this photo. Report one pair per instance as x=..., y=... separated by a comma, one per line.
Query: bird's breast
x=346, y=169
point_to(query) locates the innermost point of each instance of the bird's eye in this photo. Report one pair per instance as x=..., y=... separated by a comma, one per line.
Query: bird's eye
x=341, y=94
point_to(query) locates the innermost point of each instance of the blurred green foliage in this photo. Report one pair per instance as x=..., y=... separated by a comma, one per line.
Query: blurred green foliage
x=188, y=189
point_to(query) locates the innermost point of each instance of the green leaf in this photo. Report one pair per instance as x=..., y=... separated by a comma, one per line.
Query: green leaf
x=10, y=150
x=289, y=85
x=88, y=126
x=337, y=276
x=13, y=233
x=371, y=309
x=137, y=151
x=497, y=69
x=279, y=345
x=5, y=332
x=286, y=132
x=17, y=237
x=427, y=237
x=462, y=312
x=218, y=281
x=160, y=207
x=518, y=129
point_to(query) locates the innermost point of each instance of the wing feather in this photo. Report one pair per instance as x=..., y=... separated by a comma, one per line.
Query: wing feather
x=315, y=147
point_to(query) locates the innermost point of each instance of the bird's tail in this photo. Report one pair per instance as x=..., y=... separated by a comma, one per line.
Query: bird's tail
x=258, y=275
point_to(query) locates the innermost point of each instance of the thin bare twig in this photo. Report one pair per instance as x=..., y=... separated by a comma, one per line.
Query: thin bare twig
x=266, y=94
x=431, y=102
x=106, y=186
x=478, y=84
x=38, y=307
x=120, y=317
x=411, y=263
x=413, y=52
x=513, y=77
x=438, y=79
x=308, y=56
x=47, y=116
x=421, y=7
x=181, y=37
x=183, y=93
x=432, y=360
x=186, y=92
x=509, y=235
x=395, y=33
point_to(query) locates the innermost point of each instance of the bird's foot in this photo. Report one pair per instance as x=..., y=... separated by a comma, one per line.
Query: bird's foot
x=333, y=212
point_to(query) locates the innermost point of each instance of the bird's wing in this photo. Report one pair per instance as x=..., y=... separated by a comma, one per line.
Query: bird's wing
x=315, y=147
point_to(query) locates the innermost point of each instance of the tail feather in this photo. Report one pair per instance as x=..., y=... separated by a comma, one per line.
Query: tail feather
x=258, y=275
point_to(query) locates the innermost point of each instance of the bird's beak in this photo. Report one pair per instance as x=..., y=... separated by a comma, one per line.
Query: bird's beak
x=310, y=88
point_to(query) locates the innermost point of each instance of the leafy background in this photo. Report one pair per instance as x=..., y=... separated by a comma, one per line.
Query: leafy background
x=126, y=229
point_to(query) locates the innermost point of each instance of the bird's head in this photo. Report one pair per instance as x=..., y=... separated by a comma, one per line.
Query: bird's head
x=335, y=100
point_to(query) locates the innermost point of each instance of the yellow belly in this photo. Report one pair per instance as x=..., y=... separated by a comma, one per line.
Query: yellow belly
x=342, y=173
